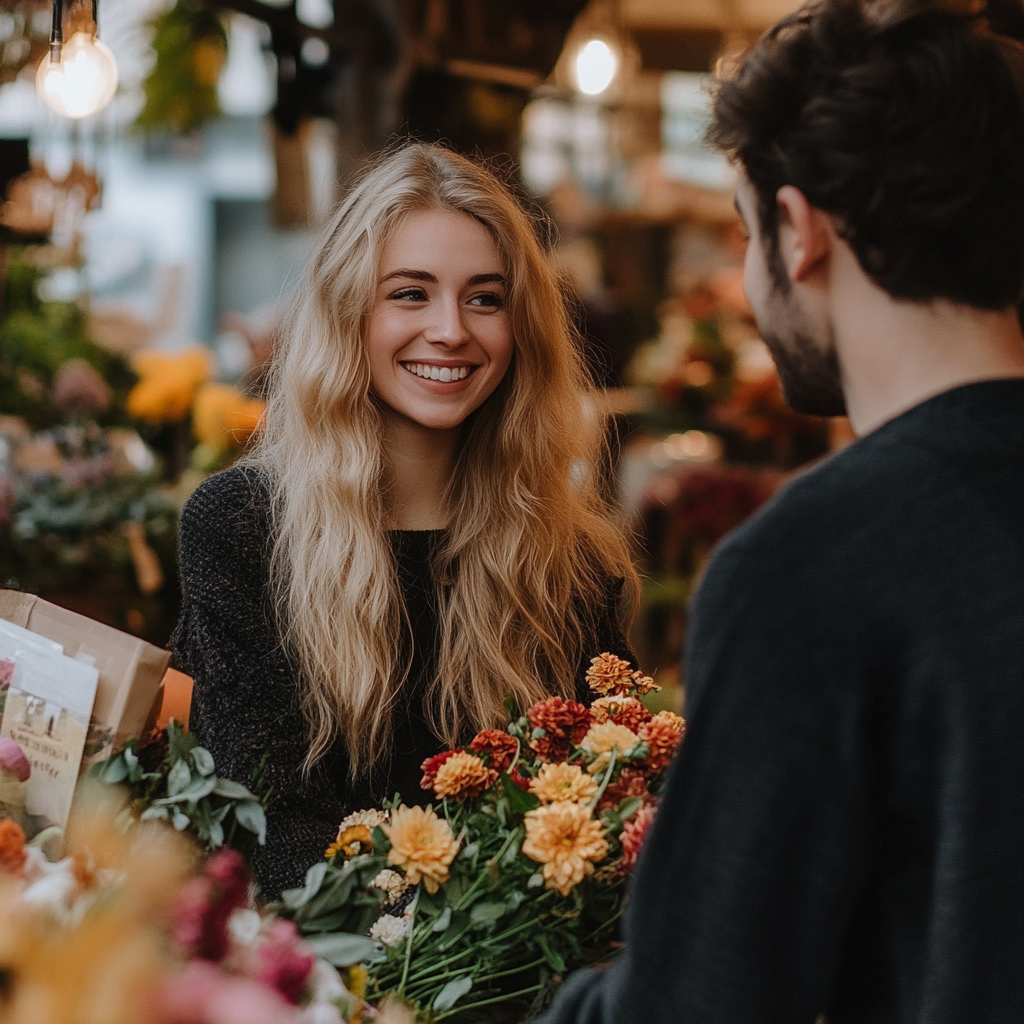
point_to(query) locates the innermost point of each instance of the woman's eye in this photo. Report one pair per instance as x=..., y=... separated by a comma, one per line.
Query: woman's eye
x=413, y=294
x=490, y=299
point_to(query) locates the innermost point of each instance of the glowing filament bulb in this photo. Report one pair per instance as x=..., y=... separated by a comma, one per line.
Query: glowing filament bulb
x=83, y=82
x=596, y=65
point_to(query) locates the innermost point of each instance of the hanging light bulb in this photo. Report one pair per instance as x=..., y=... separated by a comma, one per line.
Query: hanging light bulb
x=80, y=78
x=596, y=66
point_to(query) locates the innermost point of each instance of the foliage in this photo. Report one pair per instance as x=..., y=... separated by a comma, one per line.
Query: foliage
x=181, y=88
x=171, y=778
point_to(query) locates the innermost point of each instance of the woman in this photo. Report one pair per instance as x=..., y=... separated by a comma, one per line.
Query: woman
x=419, y=533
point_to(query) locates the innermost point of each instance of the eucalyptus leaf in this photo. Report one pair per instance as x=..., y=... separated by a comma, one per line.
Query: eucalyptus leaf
x=342, y=949
x=484, y=915
x=130, y=759
x=535, y=881
x=293, y=899
x=202, y=759
x=452, y=993
x=113, y=771
x=178, y=778
x=250, y=815
x=180, y=820
x=216, y=833
x=443, y=921
x=155, y=814
x=628, y=806
x=232, y=790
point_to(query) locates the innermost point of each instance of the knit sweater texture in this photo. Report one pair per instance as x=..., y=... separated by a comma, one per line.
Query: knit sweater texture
x=246, y=700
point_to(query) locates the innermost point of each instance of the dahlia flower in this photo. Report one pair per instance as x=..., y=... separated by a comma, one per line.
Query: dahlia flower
x=498, y=745
x=634, y=833
x=562, y=782
x=608, y=674
x=422, y=845
x=602, y=739
x=463, y=776
x=627, y=711
x=565, y=722
x=662, y=734
x=566, y=841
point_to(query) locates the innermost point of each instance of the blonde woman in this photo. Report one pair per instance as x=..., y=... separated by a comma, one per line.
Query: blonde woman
x=419, y=533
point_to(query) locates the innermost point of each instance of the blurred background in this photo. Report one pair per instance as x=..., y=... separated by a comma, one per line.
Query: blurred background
x=164, y=176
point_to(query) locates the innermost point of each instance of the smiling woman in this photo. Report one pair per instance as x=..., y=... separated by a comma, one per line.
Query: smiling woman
x=420, y=533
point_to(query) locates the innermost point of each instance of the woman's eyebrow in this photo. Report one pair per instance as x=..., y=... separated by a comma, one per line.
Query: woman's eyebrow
x=425, y=275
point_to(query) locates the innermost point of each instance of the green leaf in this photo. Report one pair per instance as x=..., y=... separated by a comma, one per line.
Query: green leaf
x=179, y=742
x=216, y=833
x=203, y=760
x=452, y=993
x=458, y=928
x=342, y=949
x=293, y=899
x=484, y=915
x=628, y=806
x=251, y=815
x=155, y=814
x=232, y=790
x=443, y=921
x=113, y=770
x=535, y=881
x=178, y=778
x=180, y=820
x=554, y=959
x=519, y=800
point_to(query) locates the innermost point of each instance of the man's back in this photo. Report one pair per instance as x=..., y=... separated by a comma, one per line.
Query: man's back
x=844, y=828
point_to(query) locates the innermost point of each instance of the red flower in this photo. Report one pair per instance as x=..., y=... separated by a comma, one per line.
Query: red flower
x=205, y=903
x=631, y=782
x=430, y=766
x=634, y=832
x=565, y=723
x=498, y=745
x=519, y=779
x=284, y=961
x=627, y=711
x=662, y=734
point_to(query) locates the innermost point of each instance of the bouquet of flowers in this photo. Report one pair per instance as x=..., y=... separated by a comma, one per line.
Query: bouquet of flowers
x=476, y=906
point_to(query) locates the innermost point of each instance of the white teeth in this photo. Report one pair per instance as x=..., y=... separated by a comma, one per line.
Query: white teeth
x=446, y=374
x=435, y=373
x=442, y=373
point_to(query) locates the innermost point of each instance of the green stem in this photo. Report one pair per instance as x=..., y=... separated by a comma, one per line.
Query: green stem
x=408, y=945
x=604, y=782
x=488, y=1002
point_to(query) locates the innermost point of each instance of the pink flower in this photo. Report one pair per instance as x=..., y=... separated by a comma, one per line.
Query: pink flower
x=284, y=962
x=205, y=903
x=13, y=760
x=634, y=833
x=203, y=994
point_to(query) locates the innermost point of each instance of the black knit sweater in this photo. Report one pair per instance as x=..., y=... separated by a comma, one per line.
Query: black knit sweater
x=246, y=698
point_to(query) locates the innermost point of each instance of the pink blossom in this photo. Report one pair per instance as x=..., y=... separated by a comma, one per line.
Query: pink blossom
x=284, y=962
x=13, y=760
x=205, y=903
x=203, y=994
x=633, y=835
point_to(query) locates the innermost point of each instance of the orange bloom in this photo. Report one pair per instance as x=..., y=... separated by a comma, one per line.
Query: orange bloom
x=567, y=841
x=641, y=684
x=662, y=734
x=562, y=782
x=431, y=766
x=627, y=711
x=634, y=833
x=12, y=847
x=608, y=674
x=565, y=722
x=497, y=745
x=602, y=739
x=350, y=841
x=422, y=845
x=463, y=776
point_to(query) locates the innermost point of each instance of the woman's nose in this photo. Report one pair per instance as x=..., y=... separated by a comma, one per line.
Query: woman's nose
x=446, y=326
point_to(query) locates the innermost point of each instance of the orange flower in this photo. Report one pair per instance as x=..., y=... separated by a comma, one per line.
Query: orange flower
x=662, y=734
x=634, y=833
x=641, y=684
x=627, y=711
x=422, y=845
x=224, y=418
x=602, y=739
x=432, y=764
x=562, y=782
x=12, y=847
x=498, y=745
x=567, y=841
x=463, y=776
x=350, y=841
x=565, y=722
x=608, y=673
x=167, y=383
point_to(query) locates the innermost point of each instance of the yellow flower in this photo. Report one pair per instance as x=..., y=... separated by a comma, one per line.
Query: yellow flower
x=223, y=417
x=567, y=841
x=562, y=782
x=463, y=776
x=422, y=845
x=350, y=842
x=167, y=384
x=602, y=738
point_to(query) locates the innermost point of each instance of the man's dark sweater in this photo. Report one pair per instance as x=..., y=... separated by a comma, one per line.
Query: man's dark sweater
x=843, y=830
x=246, y=700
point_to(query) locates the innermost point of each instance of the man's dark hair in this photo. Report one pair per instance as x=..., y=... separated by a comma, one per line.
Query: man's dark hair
x=908, y=129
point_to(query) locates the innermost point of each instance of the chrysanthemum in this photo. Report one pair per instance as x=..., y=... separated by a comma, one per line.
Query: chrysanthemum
x=370, y=818
x=631, y=782
x=394, y=884
x=662, y=734
x=566, y=841
x=497, y=745
x=432, y=764
x=565, y=723
x=627, y=711
x=388, y=930
x=641, y=684
x=634, y=832
x=602, y=739
x=562, y=782
x=422, y=845
x=608, y=674
x=463, y=776
x=352, y=840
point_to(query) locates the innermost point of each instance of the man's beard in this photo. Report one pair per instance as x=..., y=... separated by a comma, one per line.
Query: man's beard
x=812, y=380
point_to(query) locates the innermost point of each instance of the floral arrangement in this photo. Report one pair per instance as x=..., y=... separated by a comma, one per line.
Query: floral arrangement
x=518, y=872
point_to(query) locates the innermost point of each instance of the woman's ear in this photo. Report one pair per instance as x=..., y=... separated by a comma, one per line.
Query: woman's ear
x=805, y=234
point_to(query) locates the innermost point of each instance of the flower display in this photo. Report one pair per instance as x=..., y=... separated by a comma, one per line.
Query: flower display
x=432, y=764
x=556, y=725
x=633, y=835
x=627, y=711
x=602, y=739
x=497, y=747
x=422, y=845
x=556, y=782
x=463, y=776
x=566, y=841
x=167, y=384
x=662, y=734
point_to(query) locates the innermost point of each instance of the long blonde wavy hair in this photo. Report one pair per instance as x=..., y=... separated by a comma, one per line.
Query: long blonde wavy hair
x=531, y=544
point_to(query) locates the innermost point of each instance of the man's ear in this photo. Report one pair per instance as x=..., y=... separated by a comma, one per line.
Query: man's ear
x=805, y=234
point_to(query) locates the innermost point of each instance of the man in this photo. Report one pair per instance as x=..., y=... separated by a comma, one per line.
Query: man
x=842, y=834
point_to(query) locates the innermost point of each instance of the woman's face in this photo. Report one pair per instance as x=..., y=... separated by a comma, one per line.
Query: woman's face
x=438, y=335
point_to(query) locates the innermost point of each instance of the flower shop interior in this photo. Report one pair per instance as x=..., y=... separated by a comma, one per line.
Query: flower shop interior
x=157, y=212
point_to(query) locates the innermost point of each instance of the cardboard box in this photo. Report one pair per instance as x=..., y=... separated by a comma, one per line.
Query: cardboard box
x=131, y=671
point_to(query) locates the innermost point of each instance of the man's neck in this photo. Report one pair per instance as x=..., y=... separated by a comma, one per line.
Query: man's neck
x=420, y=461
x=895, y=354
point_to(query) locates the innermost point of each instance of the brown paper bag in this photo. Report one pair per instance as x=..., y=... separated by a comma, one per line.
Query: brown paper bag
x=131, y=671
